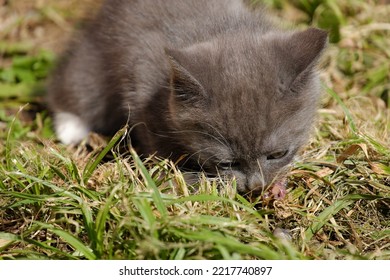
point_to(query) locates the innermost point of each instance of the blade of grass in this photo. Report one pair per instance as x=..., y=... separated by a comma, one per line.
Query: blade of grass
x=14, y=48
x=146, y=212
x=332, y=210
x=88, y=222
x=378, y=146
x=54, y=187
x=91, y=165
x=100, y=223
x=75, y=172
x=71, y=240
x=206, y=197
x=7, y=239
x=260, y=250
x=52, y=249
x=347, y=113
x=158, y=201
x=9, y=140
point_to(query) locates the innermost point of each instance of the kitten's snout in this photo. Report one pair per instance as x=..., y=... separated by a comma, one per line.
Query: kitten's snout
x=256, y=184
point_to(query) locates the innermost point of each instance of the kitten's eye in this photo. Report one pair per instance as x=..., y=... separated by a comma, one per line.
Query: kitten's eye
x=277, y=155
x=228, y=165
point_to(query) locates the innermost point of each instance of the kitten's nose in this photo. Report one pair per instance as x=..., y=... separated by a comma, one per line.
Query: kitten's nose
x=256, y=184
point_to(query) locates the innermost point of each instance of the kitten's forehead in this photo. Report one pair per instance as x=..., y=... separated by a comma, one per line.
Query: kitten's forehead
x=241, y=62
x=247, y=60
x=246, y=80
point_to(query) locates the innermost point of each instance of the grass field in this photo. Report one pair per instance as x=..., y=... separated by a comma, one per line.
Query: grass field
x=90, y=202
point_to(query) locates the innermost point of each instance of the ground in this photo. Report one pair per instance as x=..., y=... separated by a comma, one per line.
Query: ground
x=91, y=202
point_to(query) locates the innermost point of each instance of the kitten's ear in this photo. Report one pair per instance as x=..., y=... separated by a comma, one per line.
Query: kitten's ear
x=305, y=49
x=184, y=85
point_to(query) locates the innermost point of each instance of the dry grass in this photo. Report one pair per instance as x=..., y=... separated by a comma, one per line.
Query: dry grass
x=62, y=202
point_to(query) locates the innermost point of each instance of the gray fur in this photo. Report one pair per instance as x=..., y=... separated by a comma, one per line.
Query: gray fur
x=210, y=79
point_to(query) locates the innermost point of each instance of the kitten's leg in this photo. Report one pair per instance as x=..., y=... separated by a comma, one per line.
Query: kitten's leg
x=70, y=129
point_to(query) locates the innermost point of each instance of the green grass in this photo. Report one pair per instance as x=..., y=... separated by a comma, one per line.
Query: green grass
x=60, y=202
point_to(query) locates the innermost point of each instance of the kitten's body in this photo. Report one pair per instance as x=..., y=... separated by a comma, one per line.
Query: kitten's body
x=205, y=78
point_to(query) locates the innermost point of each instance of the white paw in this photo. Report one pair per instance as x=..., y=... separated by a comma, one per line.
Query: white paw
x=70, y=128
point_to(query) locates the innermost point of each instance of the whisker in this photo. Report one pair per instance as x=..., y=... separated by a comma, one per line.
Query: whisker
x=209, y=158
x=194, y=154
x=203, y=133
x=261, y=173
x=217, y=131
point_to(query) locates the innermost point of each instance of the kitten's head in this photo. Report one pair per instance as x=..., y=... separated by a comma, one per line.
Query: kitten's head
x=244, y=104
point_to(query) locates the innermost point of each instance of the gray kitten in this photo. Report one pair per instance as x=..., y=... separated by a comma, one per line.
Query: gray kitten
x=211, y=82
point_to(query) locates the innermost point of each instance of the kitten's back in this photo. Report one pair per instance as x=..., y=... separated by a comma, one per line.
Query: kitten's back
x=119, y=58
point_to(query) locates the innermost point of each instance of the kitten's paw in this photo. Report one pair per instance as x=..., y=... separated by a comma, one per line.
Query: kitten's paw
x=70, y=129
